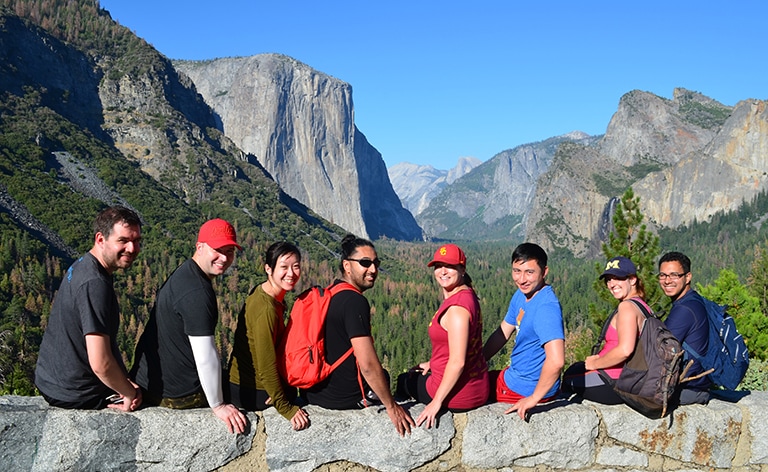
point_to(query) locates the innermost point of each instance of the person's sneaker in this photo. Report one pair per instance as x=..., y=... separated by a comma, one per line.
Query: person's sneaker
x=371, y=399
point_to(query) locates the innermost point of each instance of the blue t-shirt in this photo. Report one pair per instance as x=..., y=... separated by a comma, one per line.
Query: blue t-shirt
x=538, y=321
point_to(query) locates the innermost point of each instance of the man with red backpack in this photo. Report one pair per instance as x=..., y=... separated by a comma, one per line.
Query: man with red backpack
x=348, y=324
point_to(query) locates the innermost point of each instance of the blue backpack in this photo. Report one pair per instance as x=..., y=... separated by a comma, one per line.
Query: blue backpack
x=727, y=355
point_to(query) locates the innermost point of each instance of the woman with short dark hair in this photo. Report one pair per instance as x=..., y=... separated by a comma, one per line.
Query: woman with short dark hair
x=253, y=378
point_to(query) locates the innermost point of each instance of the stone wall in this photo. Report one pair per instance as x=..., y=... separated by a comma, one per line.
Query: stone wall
x=727, y=434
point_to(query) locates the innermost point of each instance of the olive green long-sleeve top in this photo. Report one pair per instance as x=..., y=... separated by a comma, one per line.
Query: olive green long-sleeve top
x=253, y=366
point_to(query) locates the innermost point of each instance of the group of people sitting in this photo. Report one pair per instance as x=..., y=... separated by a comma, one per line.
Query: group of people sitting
x=177, y=365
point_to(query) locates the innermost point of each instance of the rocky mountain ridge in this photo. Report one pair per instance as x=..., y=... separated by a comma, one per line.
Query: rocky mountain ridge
x=686, y=158
x=730, y=168
x=102, y=118
x=492, y=201
x=133, y=100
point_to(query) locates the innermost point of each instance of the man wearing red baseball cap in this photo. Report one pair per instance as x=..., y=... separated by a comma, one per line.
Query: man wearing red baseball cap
x=176, y=361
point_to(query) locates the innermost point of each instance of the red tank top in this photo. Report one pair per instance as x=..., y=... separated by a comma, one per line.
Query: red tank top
x=471, y=390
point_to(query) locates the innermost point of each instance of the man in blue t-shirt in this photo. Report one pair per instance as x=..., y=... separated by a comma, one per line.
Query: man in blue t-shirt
x=687, y=320
x=537, y=359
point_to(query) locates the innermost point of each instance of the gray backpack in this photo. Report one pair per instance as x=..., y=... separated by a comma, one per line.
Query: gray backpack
x=651, y=374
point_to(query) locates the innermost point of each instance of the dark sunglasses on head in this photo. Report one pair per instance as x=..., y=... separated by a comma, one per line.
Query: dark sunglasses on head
x=366, y=263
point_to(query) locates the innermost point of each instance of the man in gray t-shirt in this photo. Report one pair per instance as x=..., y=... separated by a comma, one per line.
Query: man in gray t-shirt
x=79, y=364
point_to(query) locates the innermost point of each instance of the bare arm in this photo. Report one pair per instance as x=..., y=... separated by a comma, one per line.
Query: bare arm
x=371, y=369
x=550, y=372
x=110, y=371
x=497, y=339
x=209, y=372
x=456, y=322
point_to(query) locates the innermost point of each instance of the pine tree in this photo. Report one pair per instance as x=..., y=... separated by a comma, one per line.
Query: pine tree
x=758, y=278
x=743, y=307
x=630, y=238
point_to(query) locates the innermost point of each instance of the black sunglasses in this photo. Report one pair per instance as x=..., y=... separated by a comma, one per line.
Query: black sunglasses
x=366, y=263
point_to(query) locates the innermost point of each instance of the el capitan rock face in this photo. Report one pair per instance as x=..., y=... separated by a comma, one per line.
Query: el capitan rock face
x=299, y=123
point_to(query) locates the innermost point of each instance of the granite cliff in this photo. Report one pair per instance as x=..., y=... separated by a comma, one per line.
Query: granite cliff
x=299, y=123
x=731, y=168
x=95, y=116
x=686, y=158
x=129, y=98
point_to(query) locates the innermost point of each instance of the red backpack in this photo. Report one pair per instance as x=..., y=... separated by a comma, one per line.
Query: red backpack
x=301, y=352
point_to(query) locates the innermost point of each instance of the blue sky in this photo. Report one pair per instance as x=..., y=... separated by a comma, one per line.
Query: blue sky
x=435, y=81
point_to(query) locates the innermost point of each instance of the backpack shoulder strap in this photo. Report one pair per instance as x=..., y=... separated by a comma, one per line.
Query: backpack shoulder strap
x=334, y=289
x=646, y=313
x=644, y=308
x=603, y=332
x=690, y=352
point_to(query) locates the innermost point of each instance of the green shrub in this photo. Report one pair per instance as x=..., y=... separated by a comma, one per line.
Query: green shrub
x=756, y=378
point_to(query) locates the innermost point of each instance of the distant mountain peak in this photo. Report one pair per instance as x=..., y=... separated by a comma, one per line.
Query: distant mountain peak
x=463, y=167
x=574, y=135
x=417, y=184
